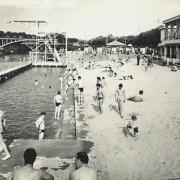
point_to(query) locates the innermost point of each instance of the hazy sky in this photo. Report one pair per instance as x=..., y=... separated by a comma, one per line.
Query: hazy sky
x=88, y=18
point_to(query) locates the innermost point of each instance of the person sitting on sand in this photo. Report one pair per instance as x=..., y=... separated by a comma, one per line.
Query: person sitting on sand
x=82, y=171
x=99, y=82
x=2, y=144
x=137, y=98
x=130, y=127
x=27, y=171
x=174, y=68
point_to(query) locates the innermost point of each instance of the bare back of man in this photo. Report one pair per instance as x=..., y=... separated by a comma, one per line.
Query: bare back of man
x=84, y=173
x=28, y=171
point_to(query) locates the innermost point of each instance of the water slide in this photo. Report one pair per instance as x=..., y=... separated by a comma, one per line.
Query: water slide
x=54, y=50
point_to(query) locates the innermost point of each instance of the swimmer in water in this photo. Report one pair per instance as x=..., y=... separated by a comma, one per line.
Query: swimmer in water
x=2, y=144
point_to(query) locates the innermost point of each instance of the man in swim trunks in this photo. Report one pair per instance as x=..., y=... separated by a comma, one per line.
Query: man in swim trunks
x=2, y=144
x=41, y=125
x=27, y=171
x=82, y=171
x=120, y=98
x=81, y=89
x=58, y=104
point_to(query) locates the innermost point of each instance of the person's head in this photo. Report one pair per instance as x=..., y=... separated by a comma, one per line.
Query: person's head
x=98, y=78
x=79, y=77
x=103, y=78
x=141, y=92
x=59, y=92
x=134, y=117
x=29, y=156
x=81, y=158
x=43, y=114
x=120, y=86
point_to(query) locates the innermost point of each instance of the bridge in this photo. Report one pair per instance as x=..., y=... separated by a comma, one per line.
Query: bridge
x=43, y=47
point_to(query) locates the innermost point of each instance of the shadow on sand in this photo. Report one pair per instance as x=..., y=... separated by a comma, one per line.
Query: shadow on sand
x=95, y=107
x=113, y=107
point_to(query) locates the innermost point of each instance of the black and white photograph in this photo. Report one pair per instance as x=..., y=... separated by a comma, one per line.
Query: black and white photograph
x=89, y=89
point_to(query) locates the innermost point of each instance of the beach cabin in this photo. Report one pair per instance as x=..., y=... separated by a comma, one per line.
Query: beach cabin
x=115, y=47
x=170, y=40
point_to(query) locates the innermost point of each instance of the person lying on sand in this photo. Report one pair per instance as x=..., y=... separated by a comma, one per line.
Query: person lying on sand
x=137, y=98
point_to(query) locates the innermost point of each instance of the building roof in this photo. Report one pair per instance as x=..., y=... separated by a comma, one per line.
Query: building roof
x=172, y=19
x=115, y=43
x=161, y=27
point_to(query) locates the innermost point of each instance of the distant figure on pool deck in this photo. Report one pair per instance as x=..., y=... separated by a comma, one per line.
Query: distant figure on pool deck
x=58, y=104
x=36, y=82
x=120, y=98
x=82, y=171
x=27, y=171
x=41, y=125
x=137, y=98
x=2, y=144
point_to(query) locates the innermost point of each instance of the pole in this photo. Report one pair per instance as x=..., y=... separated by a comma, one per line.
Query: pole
x=66, y=48
x=75, y=130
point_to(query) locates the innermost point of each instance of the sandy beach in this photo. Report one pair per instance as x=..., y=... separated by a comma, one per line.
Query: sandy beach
x=155, y=153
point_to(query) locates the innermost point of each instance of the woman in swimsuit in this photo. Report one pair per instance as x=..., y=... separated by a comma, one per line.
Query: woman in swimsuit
x=120, y=98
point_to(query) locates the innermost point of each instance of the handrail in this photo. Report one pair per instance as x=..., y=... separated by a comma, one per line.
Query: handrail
x=75, y=128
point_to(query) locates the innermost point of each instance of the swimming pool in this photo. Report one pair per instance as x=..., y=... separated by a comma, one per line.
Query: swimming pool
x=23, y=101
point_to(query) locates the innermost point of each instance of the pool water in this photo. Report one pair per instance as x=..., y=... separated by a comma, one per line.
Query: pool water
x=23, y=101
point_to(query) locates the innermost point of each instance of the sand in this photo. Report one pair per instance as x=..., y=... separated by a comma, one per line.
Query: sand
x=155, y=153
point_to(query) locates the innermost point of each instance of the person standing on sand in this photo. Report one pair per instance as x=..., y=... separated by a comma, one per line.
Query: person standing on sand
x=120, y=98
x=2, y=144
x=138, y=58
x=82, y=171
x=81, y=89
x=27, y=171
x=100, y=98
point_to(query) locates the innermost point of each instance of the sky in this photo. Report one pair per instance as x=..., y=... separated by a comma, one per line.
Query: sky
x=86, y=19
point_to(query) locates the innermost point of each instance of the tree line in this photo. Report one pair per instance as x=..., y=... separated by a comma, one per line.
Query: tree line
x=149, y=38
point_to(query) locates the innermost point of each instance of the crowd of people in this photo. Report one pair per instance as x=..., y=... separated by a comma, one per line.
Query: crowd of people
x=72, y=78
